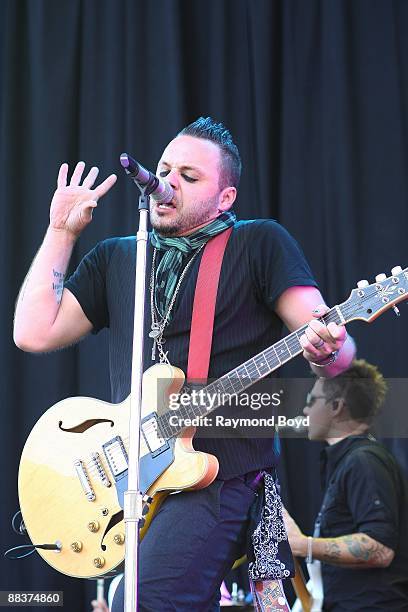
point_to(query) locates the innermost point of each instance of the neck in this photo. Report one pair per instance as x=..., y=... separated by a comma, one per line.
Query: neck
x=357, y=430
x=191, y=230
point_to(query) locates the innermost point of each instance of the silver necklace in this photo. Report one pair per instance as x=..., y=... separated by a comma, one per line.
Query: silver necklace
x=159, y=323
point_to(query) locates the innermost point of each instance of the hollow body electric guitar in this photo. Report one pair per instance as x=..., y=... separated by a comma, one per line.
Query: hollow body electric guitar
x=73, y=469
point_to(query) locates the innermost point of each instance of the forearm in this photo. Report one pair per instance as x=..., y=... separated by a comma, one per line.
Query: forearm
x=356, y=550
x=344, y=359
x=40, y=295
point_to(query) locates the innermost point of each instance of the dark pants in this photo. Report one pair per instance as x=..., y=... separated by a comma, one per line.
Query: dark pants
x=190, y=546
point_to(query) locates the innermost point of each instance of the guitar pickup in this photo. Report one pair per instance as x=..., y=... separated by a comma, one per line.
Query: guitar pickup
x=154, y=442
x=116, y=456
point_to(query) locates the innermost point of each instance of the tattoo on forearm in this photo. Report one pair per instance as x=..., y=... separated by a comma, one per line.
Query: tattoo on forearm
x=58, y=284
x=331, y=551
x=366, y=549
x=357, y=550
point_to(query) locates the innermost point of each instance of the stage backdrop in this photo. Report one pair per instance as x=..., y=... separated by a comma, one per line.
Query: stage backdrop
x=315, y=93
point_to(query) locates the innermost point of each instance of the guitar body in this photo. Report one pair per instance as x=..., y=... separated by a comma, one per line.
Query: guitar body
x=71, y=480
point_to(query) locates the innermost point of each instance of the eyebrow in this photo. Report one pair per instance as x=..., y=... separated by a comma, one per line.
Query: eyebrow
x=194, y=168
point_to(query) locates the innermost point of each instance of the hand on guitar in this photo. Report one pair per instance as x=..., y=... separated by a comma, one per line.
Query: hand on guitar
x=72, y=204
x=297, y=540
x=321, y=344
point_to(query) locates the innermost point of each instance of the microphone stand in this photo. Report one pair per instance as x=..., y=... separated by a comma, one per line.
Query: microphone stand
x=133, y=503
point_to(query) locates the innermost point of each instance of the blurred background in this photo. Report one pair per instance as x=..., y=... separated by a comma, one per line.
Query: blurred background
x=315, y=94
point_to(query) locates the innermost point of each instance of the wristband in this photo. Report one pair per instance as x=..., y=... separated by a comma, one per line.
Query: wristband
x=327, y=361
x=309, y=557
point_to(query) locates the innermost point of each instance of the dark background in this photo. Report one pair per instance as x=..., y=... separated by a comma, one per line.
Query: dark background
x=315, y=94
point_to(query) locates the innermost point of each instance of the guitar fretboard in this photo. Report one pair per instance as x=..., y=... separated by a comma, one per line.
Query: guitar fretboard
x=243, y=376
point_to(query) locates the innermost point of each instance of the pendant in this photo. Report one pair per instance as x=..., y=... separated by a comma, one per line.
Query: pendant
x=155, y=333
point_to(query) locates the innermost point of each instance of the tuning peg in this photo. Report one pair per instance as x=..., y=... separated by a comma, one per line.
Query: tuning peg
x=396, y=270
x=380, y=277
x=362, y=283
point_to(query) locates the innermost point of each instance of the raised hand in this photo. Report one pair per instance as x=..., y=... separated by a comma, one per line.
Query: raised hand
x=72, y=204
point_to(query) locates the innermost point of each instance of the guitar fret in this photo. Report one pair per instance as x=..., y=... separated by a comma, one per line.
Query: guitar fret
x=273, y=359
x=251, y=368
x=235, y=382
x=261, y=364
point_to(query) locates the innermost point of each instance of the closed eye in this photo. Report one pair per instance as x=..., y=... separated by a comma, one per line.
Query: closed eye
x=186, y=177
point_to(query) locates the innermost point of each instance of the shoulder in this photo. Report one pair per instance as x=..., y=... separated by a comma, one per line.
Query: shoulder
x=367, y=460
x=262, y=227
x=264, y=233
x=116, y=246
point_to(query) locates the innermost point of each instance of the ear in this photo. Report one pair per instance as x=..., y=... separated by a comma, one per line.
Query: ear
x=227, y=198
x=338, y=405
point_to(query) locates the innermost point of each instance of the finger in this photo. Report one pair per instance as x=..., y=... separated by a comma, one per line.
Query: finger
x=86, y=210
x=77, y=174
x=320, y=310
x=333, y=334
x=338, y=332
x=314, y=337
x=105, y=186
x=322, y=331
x=310, y=352
x=91, y=177
x=62, y=176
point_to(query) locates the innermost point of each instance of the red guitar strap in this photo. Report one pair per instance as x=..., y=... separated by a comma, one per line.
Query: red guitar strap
x=205, y=296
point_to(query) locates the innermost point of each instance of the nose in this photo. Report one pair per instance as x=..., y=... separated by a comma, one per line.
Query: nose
x=173, y=178
x=306, y=410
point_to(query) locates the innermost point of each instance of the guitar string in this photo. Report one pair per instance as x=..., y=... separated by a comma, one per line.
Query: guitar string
x=344, y=308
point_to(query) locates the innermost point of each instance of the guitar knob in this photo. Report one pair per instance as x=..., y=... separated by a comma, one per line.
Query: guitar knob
x=99, y=562
x=93, y=526
x=362, y=283
x=380, y=277
x=76, y=546
x=119, y=538
x=396, y=270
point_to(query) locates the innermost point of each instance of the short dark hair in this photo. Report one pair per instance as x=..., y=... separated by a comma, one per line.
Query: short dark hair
x=363, y=388
x=208, y=129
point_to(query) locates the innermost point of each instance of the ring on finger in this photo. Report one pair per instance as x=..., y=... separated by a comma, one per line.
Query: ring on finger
x=319, y=344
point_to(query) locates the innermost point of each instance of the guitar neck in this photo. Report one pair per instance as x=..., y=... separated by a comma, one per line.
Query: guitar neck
x=237, y=380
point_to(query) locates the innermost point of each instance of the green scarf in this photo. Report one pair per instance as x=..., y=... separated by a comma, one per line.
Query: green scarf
x=176, y=251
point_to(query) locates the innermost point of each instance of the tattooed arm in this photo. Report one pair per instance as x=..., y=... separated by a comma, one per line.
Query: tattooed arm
x=48, y=317
x=355, y=550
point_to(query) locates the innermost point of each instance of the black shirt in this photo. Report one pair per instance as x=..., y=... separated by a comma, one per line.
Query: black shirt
x=366, y=493
x=261, y=260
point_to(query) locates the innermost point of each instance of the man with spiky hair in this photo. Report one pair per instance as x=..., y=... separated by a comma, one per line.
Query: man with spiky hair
x=265, y=282
x=361, y=535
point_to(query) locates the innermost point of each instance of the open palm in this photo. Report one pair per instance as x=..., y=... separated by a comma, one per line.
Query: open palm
x=72, y=204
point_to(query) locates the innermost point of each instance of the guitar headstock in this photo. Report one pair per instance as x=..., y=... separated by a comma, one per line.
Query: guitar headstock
x=367, y=302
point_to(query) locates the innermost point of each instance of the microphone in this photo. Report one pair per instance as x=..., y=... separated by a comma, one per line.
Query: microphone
x=161, y=191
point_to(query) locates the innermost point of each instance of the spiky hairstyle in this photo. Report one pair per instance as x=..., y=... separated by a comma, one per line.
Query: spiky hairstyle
x=362, y=387
x=208, y=129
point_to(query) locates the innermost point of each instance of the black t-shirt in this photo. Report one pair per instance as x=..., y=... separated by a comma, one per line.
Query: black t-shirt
x=366, y=493
x=261, y=260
